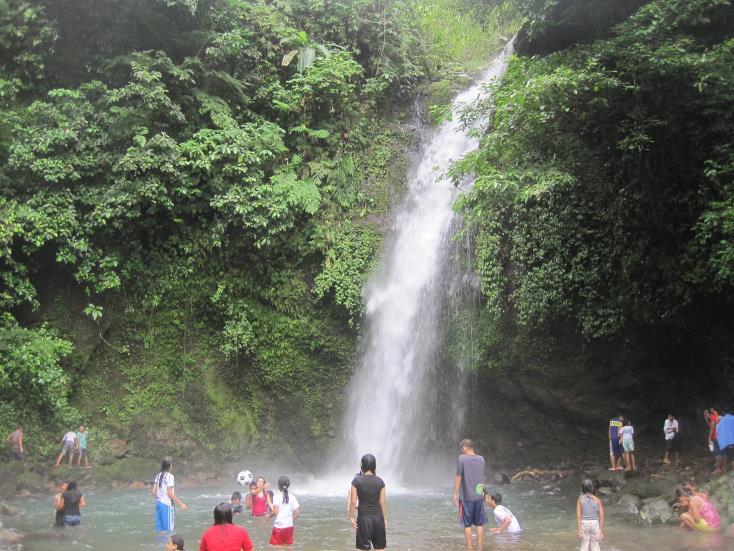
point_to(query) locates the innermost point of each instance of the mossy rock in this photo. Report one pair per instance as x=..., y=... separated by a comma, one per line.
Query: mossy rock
x=9, y=473
x=30, y=481
x=133, y=469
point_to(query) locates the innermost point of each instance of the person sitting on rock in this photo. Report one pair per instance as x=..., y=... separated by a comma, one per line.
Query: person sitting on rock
x=700, y=514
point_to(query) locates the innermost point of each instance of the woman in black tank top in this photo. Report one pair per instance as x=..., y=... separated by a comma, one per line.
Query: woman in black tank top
x=369, y=490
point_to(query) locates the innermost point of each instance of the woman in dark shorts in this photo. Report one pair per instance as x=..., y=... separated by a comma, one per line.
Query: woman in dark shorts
x=369, y=490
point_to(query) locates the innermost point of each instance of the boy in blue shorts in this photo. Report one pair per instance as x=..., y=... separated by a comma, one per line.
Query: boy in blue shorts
x=469, y=486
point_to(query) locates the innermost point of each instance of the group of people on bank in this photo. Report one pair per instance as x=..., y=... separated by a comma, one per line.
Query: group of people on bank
x=73, y=444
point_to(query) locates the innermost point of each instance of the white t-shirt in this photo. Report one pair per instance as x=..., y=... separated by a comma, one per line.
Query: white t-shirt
x=627, y=431
x=501, y=513
x=70, y=437
x=668, y=426
x=284, y=518
x=164, y=481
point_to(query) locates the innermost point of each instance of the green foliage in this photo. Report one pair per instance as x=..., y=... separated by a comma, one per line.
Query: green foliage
x=603, y=199
x=191, y=193
x=350, y=258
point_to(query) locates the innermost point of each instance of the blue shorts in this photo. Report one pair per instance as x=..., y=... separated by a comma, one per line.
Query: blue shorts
x=164, y=517
x=617, y=448
x=72, y=520
x=473, y=513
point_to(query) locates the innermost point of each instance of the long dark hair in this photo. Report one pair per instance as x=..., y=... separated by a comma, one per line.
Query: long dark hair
x=283, y=483
x=166, y=465
x=223, y=514
x=368, y=464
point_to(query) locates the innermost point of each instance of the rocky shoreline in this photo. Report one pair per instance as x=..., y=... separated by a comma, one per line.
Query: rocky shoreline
x=646, y=496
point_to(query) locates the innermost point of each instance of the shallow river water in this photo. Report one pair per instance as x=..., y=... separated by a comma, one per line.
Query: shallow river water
x=418, y=520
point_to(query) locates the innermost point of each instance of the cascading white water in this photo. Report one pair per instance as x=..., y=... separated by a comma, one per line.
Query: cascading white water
x=387, y=413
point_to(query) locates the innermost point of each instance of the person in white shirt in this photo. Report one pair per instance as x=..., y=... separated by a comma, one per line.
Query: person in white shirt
x=165, y=496
x=670, y=428
x=68, y=443
x=506, y=521
x=285, y=509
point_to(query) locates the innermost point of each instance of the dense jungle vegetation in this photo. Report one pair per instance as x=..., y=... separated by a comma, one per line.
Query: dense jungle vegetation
x=603, y=210
x=193, y=193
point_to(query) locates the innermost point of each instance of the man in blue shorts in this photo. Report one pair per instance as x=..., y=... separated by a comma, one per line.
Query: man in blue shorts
x=470, y=480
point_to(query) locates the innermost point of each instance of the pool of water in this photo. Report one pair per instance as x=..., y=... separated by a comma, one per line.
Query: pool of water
x=420, y=520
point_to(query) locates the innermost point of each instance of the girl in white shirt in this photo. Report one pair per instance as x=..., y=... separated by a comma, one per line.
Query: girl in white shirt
x=285, y=509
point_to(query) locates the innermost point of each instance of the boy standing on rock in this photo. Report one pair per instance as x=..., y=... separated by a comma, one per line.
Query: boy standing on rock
x=470, y=480
x=82, y=440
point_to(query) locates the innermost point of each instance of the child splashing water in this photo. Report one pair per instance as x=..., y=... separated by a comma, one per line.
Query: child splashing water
x=286, y=509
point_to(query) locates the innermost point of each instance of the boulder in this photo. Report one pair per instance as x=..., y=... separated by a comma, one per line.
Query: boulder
x=630, y=504
x=610, y=479
x=500, y=479
x=117, y=448
x=9, y=473
x=656, y=511
x=7, y=510
x=656, y=488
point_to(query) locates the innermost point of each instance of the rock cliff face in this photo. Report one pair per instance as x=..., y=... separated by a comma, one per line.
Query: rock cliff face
x=571, y=22
x=552, y=405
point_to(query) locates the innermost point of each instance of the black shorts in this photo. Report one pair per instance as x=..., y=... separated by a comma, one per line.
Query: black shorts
x=672, y=444
x=371, y=532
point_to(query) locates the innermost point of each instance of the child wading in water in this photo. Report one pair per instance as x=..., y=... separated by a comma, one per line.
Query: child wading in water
x=589, y=517
x=258, y=500
x=286, y=509
x=626, y=438
x=175, y=543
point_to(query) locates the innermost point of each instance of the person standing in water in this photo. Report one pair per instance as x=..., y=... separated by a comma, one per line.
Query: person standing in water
x=369, y=491
x=163, y=491
x=286, y=509
x=73, y=503
x=589, y=517
x=15, y=441
x=59, y=505
x=469, y=486
x=223, y=535
x=257, y=501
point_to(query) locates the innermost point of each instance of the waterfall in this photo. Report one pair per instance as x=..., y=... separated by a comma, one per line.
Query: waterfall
x=392, y=393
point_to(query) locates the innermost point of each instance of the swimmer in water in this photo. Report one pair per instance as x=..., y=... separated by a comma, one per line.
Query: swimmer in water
x=175, y=543
x=236, y=502
x=506, y=521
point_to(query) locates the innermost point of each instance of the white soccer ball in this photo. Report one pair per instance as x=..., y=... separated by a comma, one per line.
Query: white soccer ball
x=244, y=477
